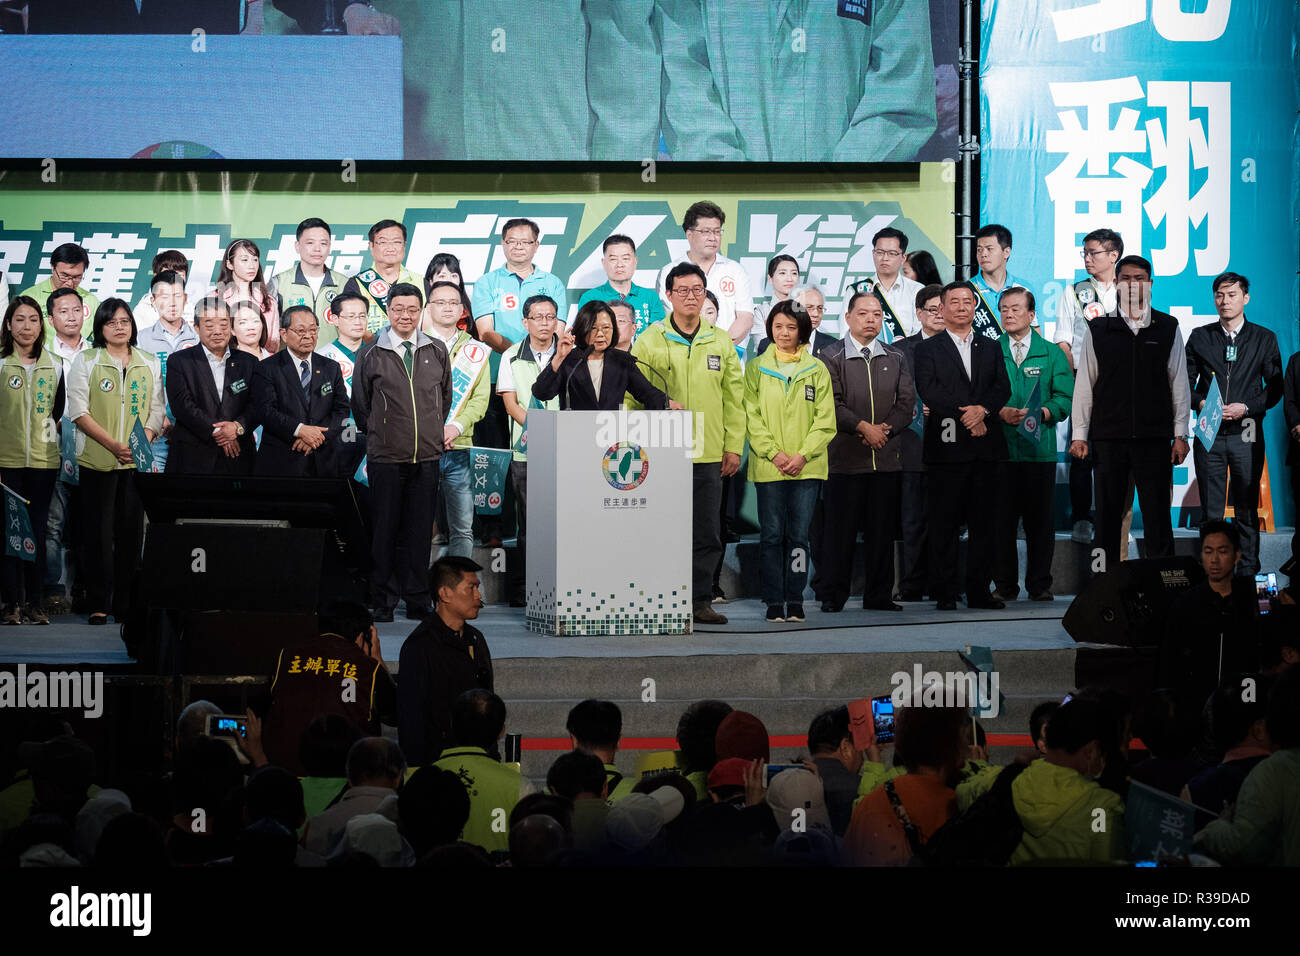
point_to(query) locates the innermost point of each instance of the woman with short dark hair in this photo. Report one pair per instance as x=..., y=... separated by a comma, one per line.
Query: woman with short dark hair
x=111, y=386
x=588, y=371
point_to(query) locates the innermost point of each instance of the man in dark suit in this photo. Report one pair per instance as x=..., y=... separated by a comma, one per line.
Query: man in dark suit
x=913, y=576
x=302, y=402
x=208, y=389
x=962, y=379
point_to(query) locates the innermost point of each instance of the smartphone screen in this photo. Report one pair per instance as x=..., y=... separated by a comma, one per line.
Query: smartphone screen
x=1266, y=591
x=882, y=714
x=220, y=725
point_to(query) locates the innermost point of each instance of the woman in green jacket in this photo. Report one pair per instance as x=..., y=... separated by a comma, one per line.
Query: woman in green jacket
x=31, y=404
x=111, y=386
x=791, y=413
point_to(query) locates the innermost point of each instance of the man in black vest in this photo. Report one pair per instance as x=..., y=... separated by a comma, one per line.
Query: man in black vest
x=208, y=389
x=961, y=377
x=1244, y=359
x=302, y=401
x=1130, y=401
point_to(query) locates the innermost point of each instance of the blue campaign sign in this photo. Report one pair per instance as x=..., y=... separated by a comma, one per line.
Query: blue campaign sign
x=1171, y=123
x=138, y=441
x=1210, y=417
x=1156, y=824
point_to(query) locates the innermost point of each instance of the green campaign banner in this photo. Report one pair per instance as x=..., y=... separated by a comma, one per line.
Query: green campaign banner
x=825, y=219
x=487, y=478
x=19, y=540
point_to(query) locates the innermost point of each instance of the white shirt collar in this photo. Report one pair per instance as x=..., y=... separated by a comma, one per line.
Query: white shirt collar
x=1231, y=330
x=214, y=358
x=963, y=342
x=398, y=339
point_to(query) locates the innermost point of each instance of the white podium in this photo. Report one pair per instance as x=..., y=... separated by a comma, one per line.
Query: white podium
x=609, y=522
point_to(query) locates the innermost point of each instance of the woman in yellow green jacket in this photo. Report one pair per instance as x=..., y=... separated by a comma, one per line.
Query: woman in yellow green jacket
x=791, y=414
x=111, y=386
x=31, y=404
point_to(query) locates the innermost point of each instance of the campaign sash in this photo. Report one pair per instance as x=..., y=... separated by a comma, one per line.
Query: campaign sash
x=1085, y=293
x=986, y=322
x=891, y=319
x=465, y=368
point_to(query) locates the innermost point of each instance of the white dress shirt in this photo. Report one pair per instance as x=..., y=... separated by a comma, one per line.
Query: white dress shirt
x=964, y=346
x=902, y=299
x=217, y=365
x=1086, y=359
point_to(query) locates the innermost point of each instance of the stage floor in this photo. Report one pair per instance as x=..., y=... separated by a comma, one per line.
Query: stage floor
x=1023, y=625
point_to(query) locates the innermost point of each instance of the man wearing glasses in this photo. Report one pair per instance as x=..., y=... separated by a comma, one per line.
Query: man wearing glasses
x=1086, y=300
x=401, y=390
x=896, y=290
x=724, y=277
x=68, y=264
x=700, y=369
x=497, y=304
x=387, y=250
x=302, y=402
x=1130, y=411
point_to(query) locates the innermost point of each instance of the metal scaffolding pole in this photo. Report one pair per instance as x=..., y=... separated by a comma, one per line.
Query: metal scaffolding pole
x=968, y=143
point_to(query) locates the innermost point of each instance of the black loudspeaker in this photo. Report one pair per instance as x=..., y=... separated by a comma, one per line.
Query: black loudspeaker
x=1127, y=606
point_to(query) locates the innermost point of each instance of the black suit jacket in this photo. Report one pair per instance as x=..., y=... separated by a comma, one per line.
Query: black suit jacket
x=942, y=383
x=195, y=406
x=820, y=341
x=572, y=383
x=282, y=406
x=1291, y=409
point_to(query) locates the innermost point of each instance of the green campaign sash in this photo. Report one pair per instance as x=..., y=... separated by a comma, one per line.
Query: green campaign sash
x=1085, y=293
x=488, y=470
x=986, y=322
x=891, y=320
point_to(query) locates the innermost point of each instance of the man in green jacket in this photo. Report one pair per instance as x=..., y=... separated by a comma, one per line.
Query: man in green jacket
x=68, y=265
x=699, y=368
x=1029, y=474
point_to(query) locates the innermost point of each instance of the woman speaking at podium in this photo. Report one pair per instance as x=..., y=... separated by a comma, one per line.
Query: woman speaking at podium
x=589, y=374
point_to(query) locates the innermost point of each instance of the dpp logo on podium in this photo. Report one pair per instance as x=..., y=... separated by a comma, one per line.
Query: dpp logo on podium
x=626, y=466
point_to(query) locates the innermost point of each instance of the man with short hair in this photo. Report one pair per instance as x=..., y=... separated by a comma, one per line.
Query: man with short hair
x=376, y=768
x=302, y=402
x=310, y=282
x=1243, y=358
x=992, y=252
x=896, y=291
x=442, y=658
x=169, y=333
x=169, y=260
x=596, y=727
x=1212, y=629
x=698, y=363
x=962, y=378
x=724, y=277
x=63, y=309
x=518, y=373
x=68, y=265
x=913, y=576
x=209, y=392
x=340, y=672
x=839, y=763
x=1130, y=400
x=625, y=319
x=454, y=467
x=497, y=307
x=619, y=263
x=401, y=392
x=1089, y=298
x=1028, y=476
x=347, y=317
x=387, y=252
x=477, y=722
x=874, y=398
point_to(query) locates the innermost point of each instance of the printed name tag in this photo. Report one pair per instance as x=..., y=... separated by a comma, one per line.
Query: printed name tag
x=238, y=386
x=1033, y=371
x=1230, y=355
x=810, y=393
x=327, y=388
x=715, y=363
x=854, y=10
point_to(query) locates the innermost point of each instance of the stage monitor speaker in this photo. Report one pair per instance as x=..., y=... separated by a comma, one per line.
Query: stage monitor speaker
x=1128, y=606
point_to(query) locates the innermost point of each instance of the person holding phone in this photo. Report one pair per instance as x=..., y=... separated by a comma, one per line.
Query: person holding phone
x=112, y=386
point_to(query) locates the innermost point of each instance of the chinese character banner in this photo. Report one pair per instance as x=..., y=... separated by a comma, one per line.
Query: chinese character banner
x=1174, y=124
x=824, y=219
